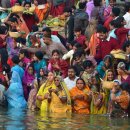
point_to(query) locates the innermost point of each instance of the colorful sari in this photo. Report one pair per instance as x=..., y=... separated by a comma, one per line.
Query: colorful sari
x=44, y=89
x=27, y=83
x=14, y=93
x=101, y=108
x=56, y=105
x=80, y=106
x=63, y=66
x=41, y=12
x=94, y=41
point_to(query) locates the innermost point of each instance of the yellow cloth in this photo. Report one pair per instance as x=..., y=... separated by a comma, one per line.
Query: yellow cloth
x=99, y=110
x=56, y=105
x=43, y=105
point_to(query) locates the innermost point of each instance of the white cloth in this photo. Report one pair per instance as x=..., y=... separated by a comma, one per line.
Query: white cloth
x=127, y=19
x=70, y=83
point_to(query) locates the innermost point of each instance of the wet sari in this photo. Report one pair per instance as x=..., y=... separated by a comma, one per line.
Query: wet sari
x=44, y=105
x=14, y=93
x=56, y=105
x=80, y=106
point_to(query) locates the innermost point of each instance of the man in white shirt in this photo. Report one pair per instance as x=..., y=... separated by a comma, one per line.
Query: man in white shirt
x=127, y=15
x=70, y=81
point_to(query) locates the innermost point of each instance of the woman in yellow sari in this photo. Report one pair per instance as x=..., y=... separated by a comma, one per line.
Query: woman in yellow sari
x=80, y=97
x=98, y=103
x=60, y=98
x=53, y=96
x=43, y=96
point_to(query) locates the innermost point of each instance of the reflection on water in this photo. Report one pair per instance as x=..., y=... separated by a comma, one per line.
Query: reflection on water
x=14, y=119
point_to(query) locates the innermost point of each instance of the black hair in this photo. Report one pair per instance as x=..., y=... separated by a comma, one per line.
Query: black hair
x=6, y=68
x=73, y=7
x=71, y=67
x=39, y=55
x=34, y=28
x=102, y=29
x=125, y=45
x=99, y=27
x=68, y=10
x=87, y=63
x=56, y=51
x=47, y=29
x=78, y=29
x=32, y=65
x=116, y=11
x=25, y=52
x=14, y=30
x=14, y=15
x=15, y=59
x=82, y=5
x=13, y=20
x=119, y=21
x=29, y=3
x=125, y=86
x=77, y=45
x=48, y=35
x=3, y=29
x=97, y=2
x=21, y=40
x=82, y=80
x=113, y=23
x=79, y=53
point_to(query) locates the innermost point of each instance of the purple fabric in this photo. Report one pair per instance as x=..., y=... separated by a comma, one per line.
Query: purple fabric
x=11, y=51
x=27, y=79
x=127, y=80
x=89, y=8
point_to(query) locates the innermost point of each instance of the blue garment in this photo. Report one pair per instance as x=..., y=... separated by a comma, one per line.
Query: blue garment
x=14, y=93
x=39, y=65
x=100, y=70
x=19, y=70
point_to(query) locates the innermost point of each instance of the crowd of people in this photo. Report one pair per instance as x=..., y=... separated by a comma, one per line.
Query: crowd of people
x=86, y=70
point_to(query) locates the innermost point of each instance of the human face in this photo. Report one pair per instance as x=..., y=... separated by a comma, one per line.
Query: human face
x=27, y=6
x=35, y=58
x=30, y=70
x=119, y=71
x=107, y=62
x=77, y=34
x=50, y=76
x=89, y=70
x=80, y=84
x=116, y=86
x=57, y=81
x=110, y=76
x=112, y=3
x=102, y=35
x=71, y=73
x=78, y=59
x=46, y=40
x=41, y=72
x=56, y=55
x=21, y=56
x=111, y=27
x=128, y=49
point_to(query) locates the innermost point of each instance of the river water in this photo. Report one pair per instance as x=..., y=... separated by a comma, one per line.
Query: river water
x=26, y=120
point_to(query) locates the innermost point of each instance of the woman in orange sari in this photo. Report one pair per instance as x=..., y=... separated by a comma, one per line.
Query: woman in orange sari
x=80, y=96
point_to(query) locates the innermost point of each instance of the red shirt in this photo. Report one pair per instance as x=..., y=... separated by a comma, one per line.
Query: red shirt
x=121, y=35
x=105, y=47
x=81, y=39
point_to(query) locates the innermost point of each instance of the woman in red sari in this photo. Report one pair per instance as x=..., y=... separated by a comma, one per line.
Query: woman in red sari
x=57, y=65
